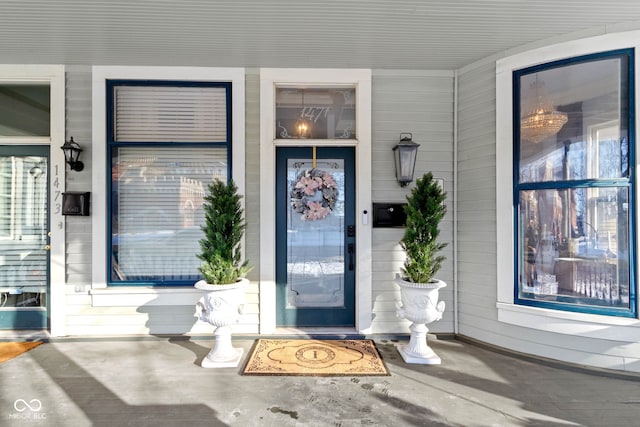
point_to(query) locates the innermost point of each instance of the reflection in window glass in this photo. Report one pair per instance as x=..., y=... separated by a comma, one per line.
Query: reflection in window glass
x=23, y=231
x=156, y=210
x=592, y=98
x=315, y=113
x=574, y=228
x=25, y=110
x=167, y=142
x=315, y=234
x=574, y=246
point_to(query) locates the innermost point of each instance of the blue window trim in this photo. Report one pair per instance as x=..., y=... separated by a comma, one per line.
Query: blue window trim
x=628, y=182
x=112, y=143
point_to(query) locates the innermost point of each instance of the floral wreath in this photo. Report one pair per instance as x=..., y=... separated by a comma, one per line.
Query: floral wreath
x=314, y=194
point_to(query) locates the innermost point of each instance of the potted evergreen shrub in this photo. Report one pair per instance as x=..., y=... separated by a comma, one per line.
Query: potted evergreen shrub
x=222, y=270
x=419, y=290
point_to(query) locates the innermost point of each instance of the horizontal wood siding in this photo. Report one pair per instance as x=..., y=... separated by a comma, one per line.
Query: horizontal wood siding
x=420, y=103
x=476, y=197
x=78, y=228
x=82, y=317
x=252, y=171
x=477, y=280
x=476, y=230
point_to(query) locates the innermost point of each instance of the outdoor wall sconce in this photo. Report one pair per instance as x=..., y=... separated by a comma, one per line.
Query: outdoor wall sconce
x=71, y=154
x=405, y=153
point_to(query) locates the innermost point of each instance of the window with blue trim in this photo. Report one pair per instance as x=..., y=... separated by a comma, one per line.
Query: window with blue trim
x=574, y=186
x=166, y=142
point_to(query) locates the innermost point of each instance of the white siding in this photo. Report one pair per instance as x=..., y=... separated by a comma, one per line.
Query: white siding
x=78, y=228
x=421, y=103
x=82, y=317
x=477, y=255
x=476, y=199
x=252, y=196
x=252, y=171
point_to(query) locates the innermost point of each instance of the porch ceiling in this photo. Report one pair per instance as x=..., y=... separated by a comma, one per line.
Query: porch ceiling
x=379, y=34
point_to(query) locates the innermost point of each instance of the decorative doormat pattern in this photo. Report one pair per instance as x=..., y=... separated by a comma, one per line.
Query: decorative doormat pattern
x=315, y=358
x=9, y=350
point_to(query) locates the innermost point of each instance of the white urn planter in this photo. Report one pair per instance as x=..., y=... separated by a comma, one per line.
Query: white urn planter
x=221, y=306
x=419, y=304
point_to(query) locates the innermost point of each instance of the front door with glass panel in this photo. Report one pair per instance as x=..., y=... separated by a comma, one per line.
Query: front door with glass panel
x=24, y=237
x=315, y=236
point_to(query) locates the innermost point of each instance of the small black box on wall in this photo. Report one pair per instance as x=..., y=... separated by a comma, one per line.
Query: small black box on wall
x=76, y=203
x=389, y=215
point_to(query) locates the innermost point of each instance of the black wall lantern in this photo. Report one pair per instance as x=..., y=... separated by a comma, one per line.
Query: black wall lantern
x=405, y=153
x=71, y=154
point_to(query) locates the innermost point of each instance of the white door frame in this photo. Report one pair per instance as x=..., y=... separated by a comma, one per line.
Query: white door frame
x=53, y=75
x=361, y=79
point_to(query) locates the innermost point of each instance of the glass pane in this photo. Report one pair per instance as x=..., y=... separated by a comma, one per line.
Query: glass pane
x=24, y=110
x=573, y=122
x=156, y=210
x=574, y=246
x=315, y=233
x=317, y=113
x=23, y=231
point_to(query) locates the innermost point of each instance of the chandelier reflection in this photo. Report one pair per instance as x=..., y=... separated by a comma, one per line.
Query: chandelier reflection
x=541, y=120
x=303, y=125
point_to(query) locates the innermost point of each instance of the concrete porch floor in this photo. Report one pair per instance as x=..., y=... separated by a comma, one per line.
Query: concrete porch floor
x=157, y=381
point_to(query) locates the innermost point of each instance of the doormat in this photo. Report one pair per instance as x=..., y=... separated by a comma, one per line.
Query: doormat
x=9, y=350
x=315, y=358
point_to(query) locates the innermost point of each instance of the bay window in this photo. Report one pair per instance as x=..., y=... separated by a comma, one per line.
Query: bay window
x=574, y=185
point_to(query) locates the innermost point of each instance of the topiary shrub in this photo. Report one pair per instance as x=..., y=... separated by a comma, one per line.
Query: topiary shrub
x=425, y=209
x=223, y=230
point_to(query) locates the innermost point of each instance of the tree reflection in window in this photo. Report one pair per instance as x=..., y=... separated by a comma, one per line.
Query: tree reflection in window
x=574, y=228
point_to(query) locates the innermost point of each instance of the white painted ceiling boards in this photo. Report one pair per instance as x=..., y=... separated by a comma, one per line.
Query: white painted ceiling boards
x=379, y=34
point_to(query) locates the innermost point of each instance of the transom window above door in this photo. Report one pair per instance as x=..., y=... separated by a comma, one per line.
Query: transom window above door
x=315, y=112
x=25, y=110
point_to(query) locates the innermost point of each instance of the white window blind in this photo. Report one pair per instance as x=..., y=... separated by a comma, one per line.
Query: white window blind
x=23, y=230
x=170, y=114
x=157, y=197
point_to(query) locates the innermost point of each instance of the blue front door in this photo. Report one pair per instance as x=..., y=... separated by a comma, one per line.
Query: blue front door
x=315, y=236
x=24, y=237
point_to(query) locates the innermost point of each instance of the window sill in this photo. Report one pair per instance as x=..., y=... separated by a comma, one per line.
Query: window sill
x=578, y=324
x=134, y=296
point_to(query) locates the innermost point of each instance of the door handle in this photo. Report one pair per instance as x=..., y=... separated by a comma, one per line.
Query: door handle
x=350, y=251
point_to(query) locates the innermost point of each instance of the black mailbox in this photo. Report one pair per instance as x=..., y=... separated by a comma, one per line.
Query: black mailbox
x=75, y=203
x=389, y=215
